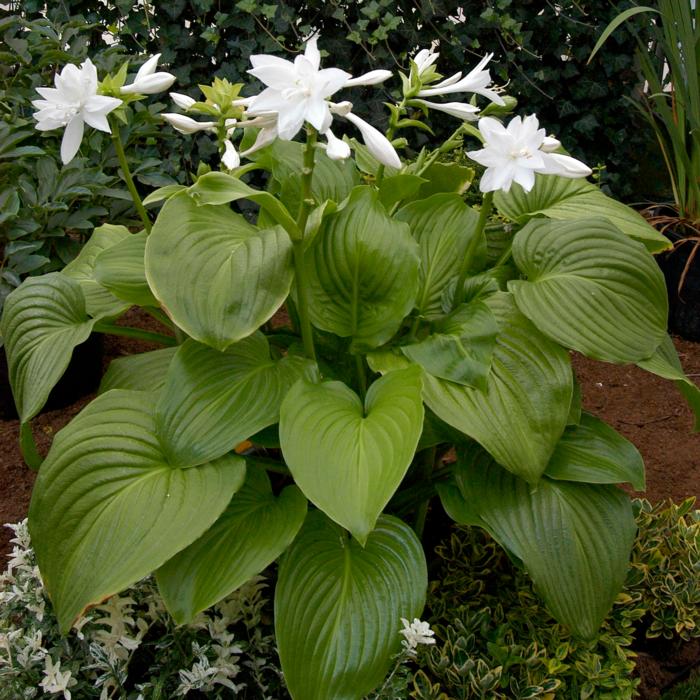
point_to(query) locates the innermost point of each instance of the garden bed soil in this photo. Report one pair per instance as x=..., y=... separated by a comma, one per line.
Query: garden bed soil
x=647, y=410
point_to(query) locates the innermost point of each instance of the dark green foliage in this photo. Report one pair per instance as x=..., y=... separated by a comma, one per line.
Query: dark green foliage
x=496, y=639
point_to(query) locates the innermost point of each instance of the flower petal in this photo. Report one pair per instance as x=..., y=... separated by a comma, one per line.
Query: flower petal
x=378, y=144
x=311, y=52
x=148, y=68
x=72, y=137
x=276, y=76
x=330, y=80
x=374, y=77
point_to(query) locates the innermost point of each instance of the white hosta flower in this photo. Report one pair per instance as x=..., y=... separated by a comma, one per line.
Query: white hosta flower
x=424, y=59
x=336, y=149
x=415, y=633
x=476, y=81
x=515, y=154
x=73, y=103
x=186, y=125
x=454, y=109
x=182, y=101
x=377, y=144
x=230, y=159
x=148, y=81
x=298, y=91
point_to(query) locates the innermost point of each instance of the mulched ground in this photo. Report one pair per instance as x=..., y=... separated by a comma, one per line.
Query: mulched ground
x=648, y=410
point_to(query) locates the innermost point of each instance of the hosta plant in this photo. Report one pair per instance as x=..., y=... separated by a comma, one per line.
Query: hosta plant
x=349, y=321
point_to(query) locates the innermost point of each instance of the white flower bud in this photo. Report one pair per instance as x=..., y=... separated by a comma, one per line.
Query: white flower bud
x=182, y=101
x=230, y=159
x=186, y=125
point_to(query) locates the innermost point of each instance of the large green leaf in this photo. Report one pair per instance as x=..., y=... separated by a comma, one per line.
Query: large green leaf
x=251, y=533
x=665, y=363
x=143, y=372
x=568, y=200
x=347, y=458
x=218, y=276
x=460, y=349
x=574, y=539
x=99, y=301
x=107, y=508
x=594, y=453
x=43, y=320
x=338, y=606
x=590, y=288
x=121, y=269
x=214, y=400
x=220, y=188
x=445, y=228
x=331, y=179
x=363, y=272
x=521, y=414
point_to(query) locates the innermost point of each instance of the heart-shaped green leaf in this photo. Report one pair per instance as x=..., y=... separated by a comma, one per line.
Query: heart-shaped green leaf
x=594, y=453
x=143, y=372
x=214, y=400
x=521, y=414
x=566, y=199
x=338, y=606
x=218, y=276
x=107, y=508
x=445, y=228
x=665, y=363
x=461, y=347
x=43, y=320
x=121, y=269
x=250, y=534
x=347, y=458
x=574, y=539
x=99, y=300
x=363, y=272
x=220, y=188
x=591, y=288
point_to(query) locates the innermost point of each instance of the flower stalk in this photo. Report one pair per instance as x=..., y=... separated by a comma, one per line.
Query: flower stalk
x=126, y=172
x=299, y=263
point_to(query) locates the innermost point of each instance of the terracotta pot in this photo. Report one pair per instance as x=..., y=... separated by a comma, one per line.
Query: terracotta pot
x=81, y=378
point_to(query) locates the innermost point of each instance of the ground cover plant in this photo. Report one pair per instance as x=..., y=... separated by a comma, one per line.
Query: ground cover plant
x=413, y=330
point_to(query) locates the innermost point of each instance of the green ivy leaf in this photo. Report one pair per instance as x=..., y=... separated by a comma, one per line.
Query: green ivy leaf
x=347, y=458
x=107, y=508
x=338, y=606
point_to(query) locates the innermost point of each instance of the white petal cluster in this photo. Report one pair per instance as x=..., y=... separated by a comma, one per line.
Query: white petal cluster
x=517, y=152
x=73, y=103
x=148, y=81
x=415, y=633
x=299, y=92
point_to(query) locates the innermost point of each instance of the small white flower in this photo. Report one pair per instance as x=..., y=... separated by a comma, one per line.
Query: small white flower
x=182, y=101
x=186, y=125
x=337, y=149
x=374, y=77
x=230, y=158
x=148, y=81
x=514, y=154
x=377, y=144
x=476, y=81
x=454, y=109
x=73, y=103
x=415, y=633
x=424, y=59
